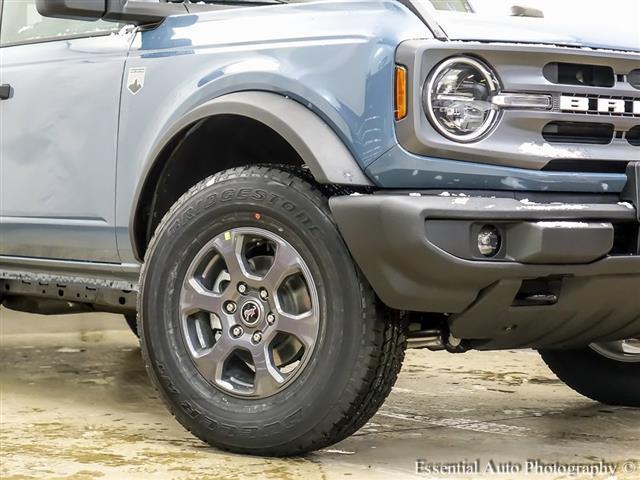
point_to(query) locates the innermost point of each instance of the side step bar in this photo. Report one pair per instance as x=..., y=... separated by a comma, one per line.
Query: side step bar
x=53, y=287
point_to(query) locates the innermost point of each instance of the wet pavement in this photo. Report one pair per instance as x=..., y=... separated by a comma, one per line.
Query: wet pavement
x=75, y=403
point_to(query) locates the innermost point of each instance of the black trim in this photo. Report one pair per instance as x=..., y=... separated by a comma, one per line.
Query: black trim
x=141, y=12
x=127, y=11
x=483, y=297
x=408, y=272
x=87, y=10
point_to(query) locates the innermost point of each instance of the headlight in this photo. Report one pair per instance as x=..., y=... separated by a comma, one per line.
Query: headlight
x=457, y=98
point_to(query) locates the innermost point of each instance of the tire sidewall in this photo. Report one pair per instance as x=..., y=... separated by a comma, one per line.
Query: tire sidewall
x=247, y=202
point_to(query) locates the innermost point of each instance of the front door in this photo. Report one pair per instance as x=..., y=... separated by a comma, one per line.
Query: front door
x=58, y=134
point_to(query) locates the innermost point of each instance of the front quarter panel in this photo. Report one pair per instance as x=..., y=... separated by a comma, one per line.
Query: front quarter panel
x=336, y=58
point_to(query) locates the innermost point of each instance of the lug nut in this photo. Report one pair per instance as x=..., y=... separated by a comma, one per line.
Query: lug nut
x=230, y=307
x=257, y=337
x=271, y=319
x=264, y=294
x=237, y=331
x=242, y=288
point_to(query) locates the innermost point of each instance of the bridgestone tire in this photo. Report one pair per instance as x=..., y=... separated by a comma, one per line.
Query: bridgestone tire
x=596, y=376
x=360, y=345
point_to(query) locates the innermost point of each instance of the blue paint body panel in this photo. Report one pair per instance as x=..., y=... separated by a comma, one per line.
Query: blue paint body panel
x=58, y=148
x=76, y=144
x=336, y=58
x=398, y=168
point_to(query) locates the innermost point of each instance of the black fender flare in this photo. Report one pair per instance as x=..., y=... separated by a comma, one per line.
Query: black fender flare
x=324, y=153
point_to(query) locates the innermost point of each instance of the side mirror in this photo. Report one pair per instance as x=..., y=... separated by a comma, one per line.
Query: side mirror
x=121, y=11
x=73, y=9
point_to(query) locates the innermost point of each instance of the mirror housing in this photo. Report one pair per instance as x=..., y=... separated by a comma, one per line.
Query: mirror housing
x=122, y=11
x=73, y=9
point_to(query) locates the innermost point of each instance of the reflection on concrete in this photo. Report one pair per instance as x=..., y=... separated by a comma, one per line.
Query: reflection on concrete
x=76, y=404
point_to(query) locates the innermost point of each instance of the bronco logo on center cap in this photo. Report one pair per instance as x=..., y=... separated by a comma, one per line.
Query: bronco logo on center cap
x=250, y=313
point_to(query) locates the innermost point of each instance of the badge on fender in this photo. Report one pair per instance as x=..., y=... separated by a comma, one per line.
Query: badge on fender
x=135, y=79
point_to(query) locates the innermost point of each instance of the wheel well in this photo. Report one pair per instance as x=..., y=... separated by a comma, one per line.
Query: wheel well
x=202, y=149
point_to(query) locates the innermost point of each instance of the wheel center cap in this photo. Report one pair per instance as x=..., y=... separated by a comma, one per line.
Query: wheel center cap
x=250, y=313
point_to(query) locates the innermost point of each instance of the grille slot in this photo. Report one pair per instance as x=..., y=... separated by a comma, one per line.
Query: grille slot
x=578, y=74
x=634, y=78
x=633, y=136
x=578, y=132
x=589, y=166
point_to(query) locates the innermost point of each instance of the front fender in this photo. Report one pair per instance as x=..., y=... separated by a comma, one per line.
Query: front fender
x=323, y=152
x=326, y=156
x=329, y=66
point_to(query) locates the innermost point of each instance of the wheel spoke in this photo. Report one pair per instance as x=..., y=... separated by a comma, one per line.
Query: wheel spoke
x=304, y=327
x=267, y=378
x=286, y=262
x=229, y=246
x=196, y=298
x=224, y=278
x=631, y=346
x=621, y=350
x=211, y=362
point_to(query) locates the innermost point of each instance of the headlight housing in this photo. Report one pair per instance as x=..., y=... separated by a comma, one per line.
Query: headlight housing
x=457, y=99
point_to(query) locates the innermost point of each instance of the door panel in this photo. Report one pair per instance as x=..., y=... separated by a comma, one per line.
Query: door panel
x=58, y=139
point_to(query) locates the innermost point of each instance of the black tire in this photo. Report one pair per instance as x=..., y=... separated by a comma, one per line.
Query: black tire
x=132, y=321
x=359, y=350
x=596, y=376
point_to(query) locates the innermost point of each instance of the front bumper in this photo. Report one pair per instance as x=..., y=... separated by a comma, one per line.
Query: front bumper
x=416, y=250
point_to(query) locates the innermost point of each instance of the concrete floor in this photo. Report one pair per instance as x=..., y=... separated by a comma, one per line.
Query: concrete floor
x=76, y=404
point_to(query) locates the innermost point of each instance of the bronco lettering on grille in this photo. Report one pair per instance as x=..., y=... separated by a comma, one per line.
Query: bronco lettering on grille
x=610, y=106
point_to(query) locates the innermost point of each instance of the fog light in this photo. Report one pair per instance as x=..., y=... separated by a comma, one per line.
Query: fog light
x=489, y=241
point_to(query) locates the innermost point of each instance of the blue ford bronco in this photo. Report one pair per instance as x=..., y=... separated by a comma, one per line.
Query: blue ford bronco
x=281, y=196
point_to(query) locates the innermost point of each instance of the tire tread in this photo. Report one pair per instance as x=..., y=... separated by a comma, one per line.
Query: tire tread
x=384, y=331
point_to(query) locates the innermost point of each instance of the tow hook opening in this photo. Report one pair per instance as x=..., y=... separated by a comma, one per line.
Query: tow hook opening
x=538, y=292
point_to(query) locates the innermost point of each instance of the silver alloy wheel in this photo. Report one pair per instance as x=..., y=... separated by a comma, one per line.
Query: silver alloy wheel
x=622, y=351
x=249, y=312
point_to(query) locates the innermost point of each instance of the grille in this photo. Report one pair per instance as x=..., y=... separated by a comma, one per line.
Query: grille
x=593, y=124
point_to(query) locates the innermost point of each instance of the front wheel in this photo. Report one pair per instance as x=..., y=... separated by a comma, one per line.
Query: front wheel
x=606, y=372
x=256, y=326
